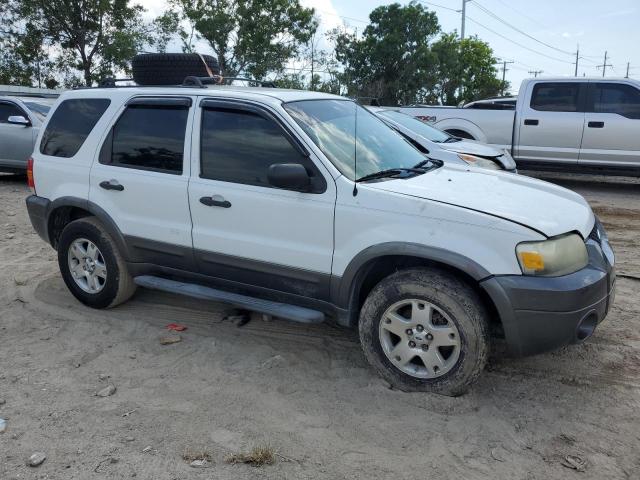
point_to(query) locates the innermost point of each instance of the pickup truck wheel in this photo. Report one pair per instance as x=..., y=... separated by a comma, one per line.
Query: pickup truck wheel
x=425, y=330
x=91, y=265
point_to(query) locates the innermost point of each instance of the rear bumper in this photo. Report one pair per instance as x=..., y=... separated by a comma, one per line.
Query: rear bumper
x=38, y=208
x=541, y=314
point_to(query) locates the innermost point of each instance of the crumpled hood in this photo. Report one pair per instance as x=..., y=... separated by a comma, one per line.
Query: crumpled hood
x=472, y=147
x=542, y=206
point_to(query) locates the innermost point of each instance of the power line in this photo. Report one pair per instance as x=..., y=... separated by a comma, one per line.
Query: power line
x=504, y=22
x=441, y=6
x=532, y=20
x=516, y=43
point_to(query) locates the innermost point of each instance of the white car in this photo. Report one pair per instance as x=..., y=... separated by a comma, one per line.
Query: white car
x=306, y=206
x=442, y=146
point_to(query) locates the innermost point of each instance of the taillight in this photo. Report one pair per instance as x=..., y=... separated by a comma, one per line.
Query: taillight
x=30, y=180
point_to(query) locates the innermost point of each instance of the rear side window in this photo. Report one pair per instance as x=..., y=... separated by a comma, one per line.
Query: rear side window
x=8, y=109
x=149, y=137
x=617, y=98
x=239, y=146
x=70, y=125
x=556, y=97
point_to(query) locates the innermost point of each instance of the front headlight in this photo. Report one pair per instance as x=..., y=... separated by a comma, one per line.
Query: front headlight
x=554, y=257
x=479, y=162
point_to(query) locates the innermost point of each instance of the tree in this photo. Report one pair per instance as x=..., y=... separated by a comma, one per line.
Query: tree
x=253, y=37
x=393, y=60
x=465, y=71
x=93, y=37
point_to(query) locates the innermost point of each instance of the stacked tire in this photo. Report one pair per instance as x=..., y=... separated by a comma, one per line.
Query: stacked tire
x=171, y=68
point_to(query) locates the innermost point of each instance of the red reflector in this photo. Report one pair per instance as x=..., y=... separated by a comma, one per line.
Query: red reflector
x=30, y=181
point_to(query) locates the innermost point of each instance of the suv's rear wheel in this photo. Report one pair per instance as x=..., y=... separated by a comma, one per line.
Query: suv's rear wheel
x=91, y=265
x=425, y=330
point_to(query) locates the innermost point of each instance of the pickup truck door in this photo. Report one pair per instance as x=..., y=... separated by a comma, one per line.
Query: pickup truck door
x=550, y=125
x=245, y=230
x=612, y=125
x=16, y=141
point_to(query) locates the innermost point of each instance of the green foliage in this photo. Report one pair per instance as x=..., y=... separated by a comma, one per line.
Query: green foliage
x=249, y=37
x=392, y=60
x=94, y=38
x=465, y=71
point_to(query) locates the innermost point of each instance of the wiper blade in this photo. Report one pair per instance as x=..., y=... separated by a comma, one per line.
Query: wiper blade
x=452, y=140
x=389, y=173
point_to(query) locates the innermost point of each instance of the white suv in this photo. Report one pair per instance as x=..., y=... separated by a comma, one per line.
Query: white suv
x=247, y=195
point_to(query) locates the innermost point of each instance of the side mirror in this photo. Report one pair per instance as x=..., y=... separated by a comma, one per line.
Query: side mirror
x=291, y=176
x=18, y=120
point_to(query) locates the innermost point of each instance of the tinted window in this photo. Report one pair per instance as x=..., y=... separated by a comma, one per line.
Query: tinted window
x=555, y=97
x=39, y=109
x=149, y=138
x=620, y=99
x=70, y=126
x=9, y=110
x=239, y=146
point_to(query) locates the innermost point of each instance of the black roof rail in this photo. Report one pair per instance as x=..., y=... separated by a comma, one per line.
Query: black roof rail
x=193, y=81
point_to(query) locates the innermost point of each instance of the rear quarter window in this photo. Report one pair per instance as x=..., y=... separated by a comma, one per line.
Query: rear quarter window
x=70, y=125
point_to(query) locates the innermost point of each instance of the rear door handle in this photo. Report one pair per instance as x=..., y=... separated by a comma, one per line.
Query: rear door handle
x=530, y=121
x=112, y=185
x=595, y=124
x=215, y=201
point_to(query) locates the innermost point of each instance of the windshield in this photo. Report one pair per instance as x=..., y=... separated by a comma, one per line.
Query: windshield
x=417, y=126
x=331, y=126
x=39, y=109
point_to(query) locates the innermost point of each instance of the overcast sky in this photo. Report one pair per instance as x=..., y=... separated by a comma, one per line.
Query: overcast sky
x=596, y=25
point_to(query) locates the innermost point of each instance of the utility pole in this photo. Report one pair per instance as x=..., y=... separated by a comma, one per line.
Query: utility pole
x=627, y=75
x=535, y=73
x=464, y=15
x=504, y=72
x=604, y=65
x=577, y=58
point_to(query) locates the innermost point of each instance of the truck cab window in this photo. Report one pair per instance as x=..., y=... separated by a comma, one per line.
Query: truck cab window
x=555, y=97
x=616, y=98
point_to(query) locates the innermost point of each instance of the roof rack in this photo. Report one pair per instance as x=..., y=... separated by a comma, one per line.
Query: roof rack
x=190, y=81
x=200, y=82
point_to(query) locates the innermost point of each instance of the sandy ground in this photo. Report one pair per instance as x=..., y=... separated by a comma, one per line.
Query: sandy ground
x=305, y=391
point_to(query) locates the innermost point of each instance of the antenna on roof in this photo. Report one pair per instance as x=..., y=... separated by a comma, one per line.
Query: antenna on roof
x=355, y=152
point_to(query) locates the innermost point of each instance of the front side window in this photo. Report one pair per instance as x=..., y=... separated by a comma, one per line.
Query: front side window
x=617, y=98
x=335, y=125
x=147, y=137
x=70, y=125
x=556, y=97
x=8, y=109
x=239, y=146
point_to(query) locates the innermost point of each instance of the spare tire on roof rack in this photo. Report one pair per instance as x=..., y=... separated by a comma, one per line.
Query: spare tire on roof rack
x=171, y=68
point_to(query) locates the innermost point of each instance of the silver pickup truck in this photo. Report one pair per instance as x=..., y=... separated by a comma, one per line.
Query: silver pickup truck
x=568, y=124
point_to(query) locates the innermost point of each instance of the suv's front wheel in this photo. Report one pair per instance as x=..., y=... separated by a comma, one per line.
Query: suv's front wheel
x=425, y=330
x=91, y=265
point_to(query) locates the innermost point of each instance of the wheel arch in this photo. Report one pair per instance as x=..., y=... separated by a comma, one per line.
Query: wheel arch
x=64, y=210
x=373, y=264
x=473, y=131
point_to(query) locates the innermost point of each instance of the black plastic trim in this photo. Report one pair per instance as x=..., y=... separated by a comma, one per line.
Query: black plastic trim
x=344, y=289
x=283, y=278
x=37, y=207
x=184, y=102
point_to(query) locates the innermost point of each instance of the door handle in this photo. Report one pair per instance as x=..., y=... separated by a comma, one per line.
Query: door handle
x=112, y=185
x=215, y=201
x=595, y=124
x=530, y=121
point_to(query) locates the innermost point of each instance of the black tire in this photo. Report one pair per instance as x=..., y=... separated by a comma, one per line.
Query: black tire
x=118, y=287
x=170, y=68
x=449, y=294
